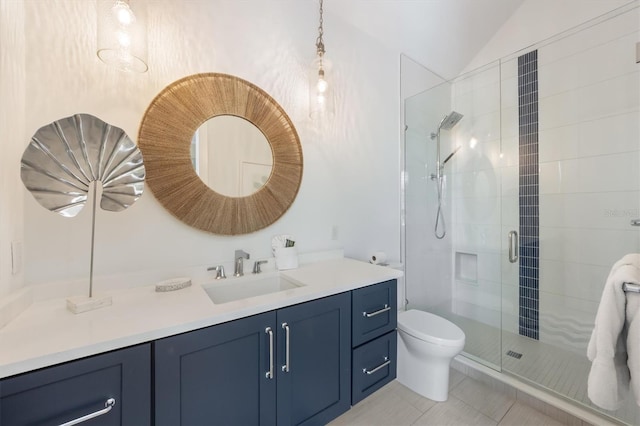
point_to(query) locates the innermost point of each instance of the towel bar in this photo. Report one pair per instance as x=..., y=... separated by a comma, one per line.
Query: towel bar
x=631, y=287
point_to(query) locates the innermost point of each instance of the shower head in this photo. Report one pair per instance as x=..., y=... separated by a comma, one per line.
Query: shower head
x=449, y=121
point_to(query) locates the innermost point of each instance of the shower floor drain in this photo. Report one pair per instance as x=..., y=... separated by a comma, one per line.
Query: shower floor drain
x=514, y=354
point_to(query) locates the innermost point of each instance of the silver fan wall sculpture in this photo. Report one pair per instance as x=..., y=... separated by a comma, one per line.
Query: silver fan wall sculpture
x=64, y=157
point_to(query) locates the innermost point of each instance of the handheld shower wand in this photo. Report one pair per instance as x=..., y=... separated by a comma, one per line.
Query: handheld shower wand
x=447, y=123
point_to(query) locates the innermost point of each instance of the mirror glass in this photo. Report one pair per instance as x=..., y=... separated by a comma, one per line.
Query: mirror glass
x=231, y=156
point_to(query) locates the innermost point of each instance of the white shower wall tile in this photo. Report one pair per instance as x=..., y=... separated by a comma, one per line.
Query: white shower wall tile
x=477, y=183
x=510, y=154
x=590, y=37
x=573, y=307
x=489, y=268
x=484, y=293
x=602, y=210
x=431, y=278
x=559, y=143
x=565, y=73
x=571, y=279
x=475, y=238
x=477, y=210
x=587, y=246
x=610, y=97
x=509, y=95
x=476, y=312
x=482, y=100
x=477, y=80
x=485, y=155
x=603, y=173
x=510, y=271
x=510, y=212
x=510, y=300
x=609, y=135
x=614, y=96
x=509, y=181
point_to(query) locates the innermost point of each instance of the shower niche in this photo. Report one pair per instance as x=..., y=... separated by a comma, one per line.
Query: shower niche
x=466, y=268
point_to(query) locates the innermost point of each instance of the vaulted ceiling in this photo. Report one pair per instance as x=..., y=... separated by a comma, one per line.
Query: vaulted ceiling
x=443, y=35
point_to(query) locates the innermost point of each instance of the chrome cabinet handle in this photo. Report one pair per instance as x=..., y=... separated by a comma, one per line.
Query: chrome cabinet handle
x=108, y=405
x=286, y=365
x=513, y=246
x=269, y=373
x=386, y=362
x=373, y=314
x=635, y=222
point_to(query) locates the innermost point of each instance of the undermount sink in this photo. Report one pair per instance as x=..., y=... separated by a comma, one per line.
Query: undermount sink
x=245, y=287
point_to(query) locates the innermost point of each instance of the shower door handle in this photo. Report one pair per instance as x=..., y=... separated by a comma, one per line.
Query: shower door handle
x=513, y=246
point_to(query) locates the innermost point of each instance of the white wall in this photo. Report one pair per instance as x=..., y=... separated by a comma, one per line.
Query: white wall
x=350, y=185
x=12, y=137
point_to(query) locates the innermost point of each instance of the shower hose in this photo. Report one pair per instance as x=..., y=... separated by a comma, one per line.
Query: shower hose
x=439, y=214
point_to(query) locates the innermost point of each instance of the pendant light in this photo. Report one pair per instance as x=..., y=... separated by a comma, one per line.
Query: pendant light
x=321, y=101
x=122, y=34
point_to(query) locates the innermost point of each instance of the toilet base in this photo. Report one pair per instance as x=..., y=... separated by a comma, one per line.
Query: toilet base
x=427, y=376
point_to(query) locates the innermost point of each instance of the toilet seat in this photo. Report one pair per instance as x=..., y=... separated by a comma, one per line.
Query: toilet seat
x=430, y=328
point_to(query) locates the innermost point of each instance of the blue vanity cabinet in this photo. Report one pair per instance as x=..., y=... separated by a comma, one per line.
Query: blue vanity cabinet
x=374, y=320
x=217, y=375
x=224, y=374
x=66, y=392
x=314, y=361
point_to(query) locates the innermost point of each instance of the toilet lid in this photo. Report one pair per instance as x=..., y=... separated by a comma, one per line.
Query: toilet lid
x=430, y=328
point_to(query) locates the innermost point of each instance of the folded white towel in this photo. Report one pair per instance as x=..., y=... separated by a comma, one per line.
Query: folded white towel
x=614, y=348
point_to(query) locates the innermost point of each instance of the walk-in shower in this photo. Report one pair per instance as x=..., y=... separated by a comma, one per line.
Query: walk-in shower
x=448, y=122
x=557, y=162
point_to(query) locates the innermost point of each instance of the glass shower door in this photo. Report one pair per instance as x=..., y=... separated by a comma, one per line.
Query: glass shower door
x=570, y=109
x=457, y=276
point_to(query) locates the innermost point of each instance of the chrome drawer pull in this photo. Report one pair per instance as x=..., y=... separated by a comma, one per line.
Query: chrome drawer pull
x=373, y=314
x=386, y=362
x=286, y=365
x=108, y=405
x=269, y=373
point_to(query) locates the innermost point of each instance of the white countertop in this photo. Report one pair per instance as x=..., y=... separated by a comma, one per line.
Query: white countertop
x=46, y=333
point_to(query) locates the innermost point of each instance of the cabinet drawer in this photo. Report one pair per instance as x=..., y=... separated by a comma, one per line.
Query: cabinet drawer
x=374, y=365
x=65, y=392
x=374, y=311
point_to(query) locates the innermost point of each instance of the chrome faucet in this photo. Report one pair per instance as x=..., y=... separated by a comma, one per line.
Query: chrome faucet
x=239, y=255
x=219, y=271
x=256, y=266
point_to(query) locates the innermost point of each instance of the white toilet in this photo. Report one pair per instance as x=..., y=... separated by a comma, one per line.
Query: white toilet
x=426, y=346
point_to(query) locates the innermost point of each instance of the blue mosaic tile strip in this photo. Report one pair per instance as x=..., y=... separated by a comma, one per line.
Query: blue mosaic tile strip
x=528, y=324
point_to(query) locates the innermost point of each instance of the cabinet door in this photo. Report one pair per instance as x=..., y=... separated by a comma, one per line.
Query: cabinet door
x=314, y=381
x=65, y=392
x=217, y=375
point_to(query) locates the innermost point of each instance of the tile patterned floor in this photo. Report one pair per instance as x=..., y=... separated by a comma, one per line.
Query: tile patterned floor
x=470, y=403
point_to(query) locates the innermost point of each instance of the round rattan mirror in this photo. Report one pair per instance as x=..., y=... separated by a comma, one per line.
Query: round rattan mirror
x=165, y=136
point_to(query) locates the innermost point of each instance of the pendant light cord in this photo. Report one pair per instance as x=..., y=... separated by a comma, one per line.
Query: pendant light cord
x=319, y=41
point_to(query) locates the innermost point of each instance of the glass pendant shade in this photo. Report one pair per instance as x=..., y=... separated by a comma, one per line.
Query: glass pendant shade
x=321, y=99
x=122, y=34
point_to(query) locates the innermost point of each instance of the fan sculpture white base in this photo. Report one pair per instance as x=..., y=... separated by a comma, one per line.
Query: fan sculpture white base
x=81, y=304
